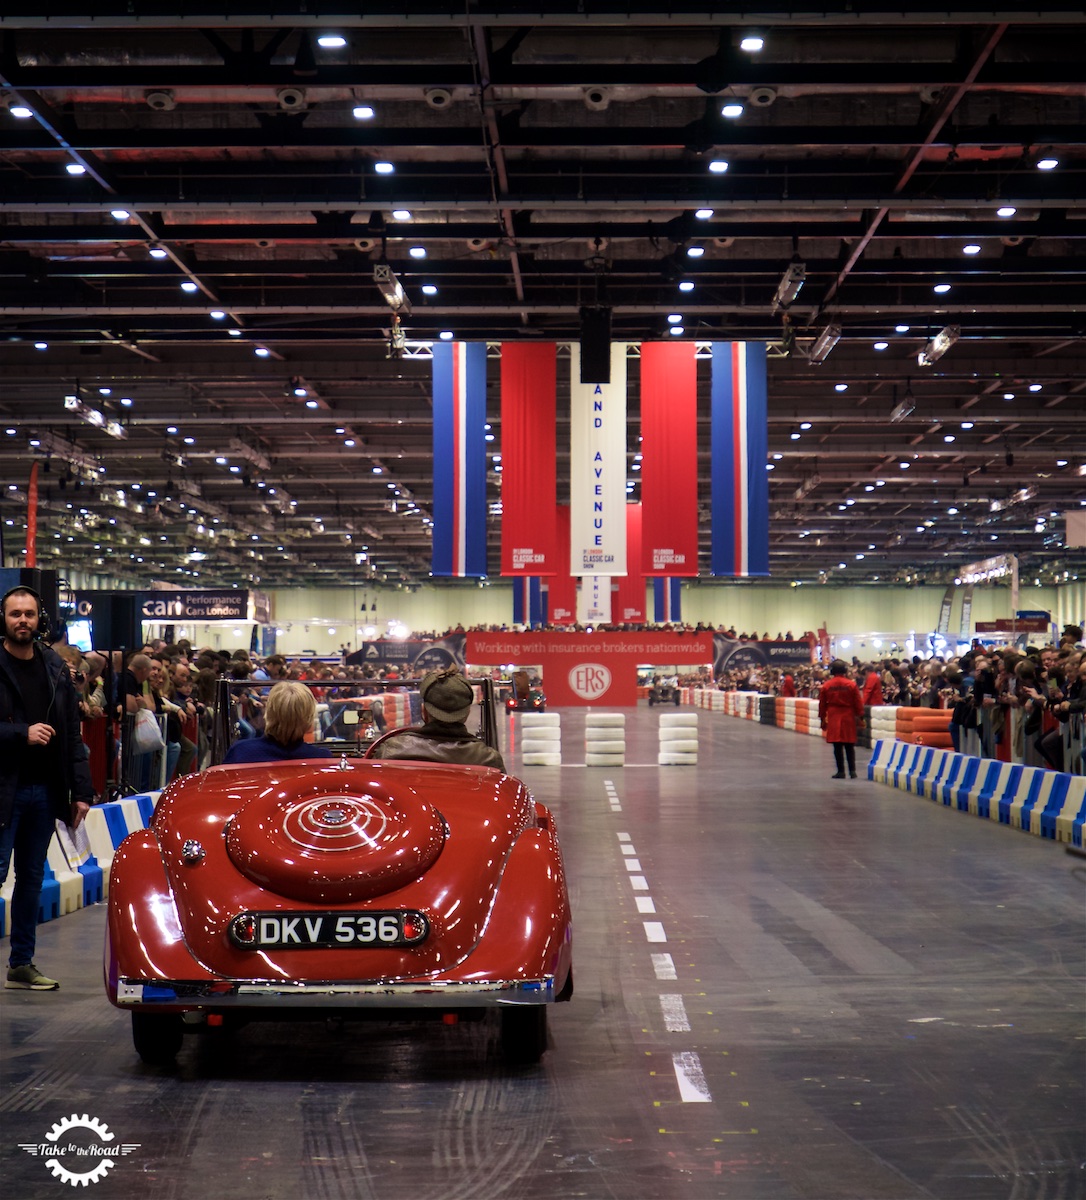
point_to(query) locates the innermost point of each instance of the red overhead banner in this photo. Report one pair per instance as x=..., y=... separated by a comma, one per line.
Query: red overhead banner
x=669, y=463
x=529, y=460
x=628, y=602
x=562, y=588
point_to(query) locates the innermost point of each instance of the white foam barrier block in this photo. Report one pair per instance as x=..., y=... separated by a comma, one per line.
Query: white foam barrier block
x=533, y=747
x=678, y=733
x=671, y=758
x=679, y=718
x=541, y=758
x=605, y=746
x=541, y=733
x=598, y=719
x=534, y=718
x=604, y=760
x=679, y=746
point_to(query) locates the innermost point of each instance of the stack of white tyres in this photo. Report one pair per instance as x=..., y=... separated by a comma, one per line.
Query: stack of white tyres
x=540, y=739
x=883, y=723
x=678, y=740
x=605, y=739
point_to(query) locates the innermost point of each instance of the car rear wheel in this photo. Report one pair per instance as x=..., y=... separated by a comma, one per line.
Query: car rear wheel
x=524, y=1034
x=157, y=1037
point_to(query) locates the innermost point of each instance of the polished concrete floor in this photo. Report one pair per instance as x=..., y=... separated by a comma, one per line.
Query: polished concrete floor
x=786, y=987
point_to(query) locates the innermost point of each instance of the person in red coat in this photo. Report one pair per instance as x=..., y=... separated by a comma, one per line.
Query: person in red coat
x=840, y=709
x=872, y=693
x=788, y=686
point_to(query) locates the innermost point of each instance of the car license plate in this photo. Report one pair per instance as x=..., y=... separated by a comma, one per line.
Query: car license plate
x=327, y=930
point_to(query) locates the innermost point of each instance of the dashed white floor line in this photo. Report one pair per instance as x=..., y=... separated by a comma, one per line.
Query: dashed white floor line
x=654, y=931
x=664, y=966
x=632, y=864
x=627, y=849
x=644, y=904
x=639, y=883
x=624, y=837
x=675, y=1018
x=691, y=1078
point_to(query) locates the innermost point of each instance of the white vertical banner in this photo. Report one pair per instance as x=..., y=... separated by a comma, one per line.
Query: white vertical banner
x=594, y=600
x=597, y=484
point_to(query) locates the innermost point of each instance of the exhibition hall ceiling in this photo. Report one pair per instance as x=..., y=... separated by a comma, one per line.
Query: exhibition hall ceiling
x=195, y=211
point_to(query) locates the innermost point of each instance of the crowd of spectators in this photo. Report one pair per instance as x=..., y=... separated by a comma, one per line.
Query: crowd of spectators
x=178, y=681
x=979, y=689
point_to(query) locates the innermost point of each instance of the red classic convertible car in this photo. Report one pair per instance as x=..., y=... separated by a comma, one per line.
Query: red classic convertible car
x=342, y=886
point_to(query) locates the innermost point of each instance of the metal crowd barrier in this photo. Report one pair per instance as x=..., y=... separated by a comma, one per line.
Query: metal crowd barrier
x=985, y=739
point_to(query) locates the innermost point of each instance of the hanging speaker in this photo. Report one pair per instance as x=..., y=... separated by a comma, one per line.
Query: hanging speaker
x=595, y=344
x=116, y=621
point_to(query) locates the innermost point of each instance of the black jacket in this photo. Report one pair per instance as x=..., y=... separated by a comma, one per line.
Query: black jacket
x=63, y=715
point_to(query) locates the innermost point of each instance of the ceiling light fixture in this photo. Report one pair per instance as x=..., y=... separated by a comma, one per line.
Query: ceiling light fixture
x=157, y=252
x=391, y=288
x=752, y=43
x=20, y=111
x=384, y=168
x=791, y=284
x=939, y=345
x=718, y=166
x=704, y=214
x=686, y=285
x=95, y=417
x=824, y=343
x=732, y=110
x=75, y=169
x=363, y=112
x=941, y=289
x=905, y=406
x=1006, y=210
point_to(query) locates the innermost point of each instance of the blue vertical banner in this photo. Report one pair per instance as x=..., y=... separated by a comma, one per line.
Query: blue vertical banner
x=529, y=601
x=740, y=487
x=459, y=533
x=667, y=599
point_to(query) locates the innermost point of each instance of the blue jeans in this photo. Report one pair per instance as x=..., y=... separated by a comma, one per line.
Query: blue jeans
x=29, y=833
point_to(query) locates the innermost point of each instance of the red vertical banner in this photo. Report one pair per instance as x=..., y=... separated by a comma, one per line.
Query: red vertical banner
x=669, y=463
x=529, y=460
x=32, y=518
x=562, y=595
x=628, y=603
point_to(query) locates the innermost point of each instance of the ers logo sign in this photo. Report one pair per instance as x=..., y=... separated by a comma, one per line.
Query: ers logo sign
x=590, y=680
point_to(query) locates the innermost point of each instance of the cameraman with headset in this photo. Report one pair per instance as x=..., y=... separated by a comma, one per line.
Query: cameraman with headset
x=44, y=775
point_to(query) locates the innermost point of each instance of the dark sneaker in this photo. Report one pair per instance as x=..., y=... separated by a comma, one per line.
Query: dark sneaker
x=839, y=775
x=30, y=978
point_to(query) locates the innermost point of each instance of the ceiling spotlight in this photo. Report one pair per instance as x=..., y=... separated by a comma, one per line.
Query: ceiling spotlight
x=939, y=345
x=686, y=285
x=446, y=335
x=429, y=289
x=948, y=438
x=704, y=214
x=391, y=288
x=401, y=214
x=1035, y=387
x=384, y=168
x=119, y=214
x=234, y=332
x=967, y=424
x=805, y=425
x=824, y=343
x=941, y=289
x=217, y=314
x=20, y=111
x=1061, y=462
x=794, y=434
x=676, y=331
x=1048, y=163
x=363, y=112
x=1007, y=210
x=752, y=43
x=905, y=406
x=972, y=248
x=880, y=346
x=674, y=318
x=262, y=352
x=188, y=286
x=695, y=251
x=41, y=345
x=791, y=284
x=331, y=41
x=417, y=252
x=718, y=166
x=840, y=387
x=157, y=252
x=1008, y=395
x=732, y=109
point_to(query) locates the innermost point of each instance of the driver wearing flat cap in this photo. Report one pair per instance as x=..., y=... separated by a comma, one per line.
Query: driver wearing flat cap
x=447, y=699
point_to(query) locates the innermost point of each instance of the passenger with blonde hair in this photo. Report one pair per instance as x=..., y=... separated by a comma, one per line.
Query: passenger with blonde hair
x=288, y=717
